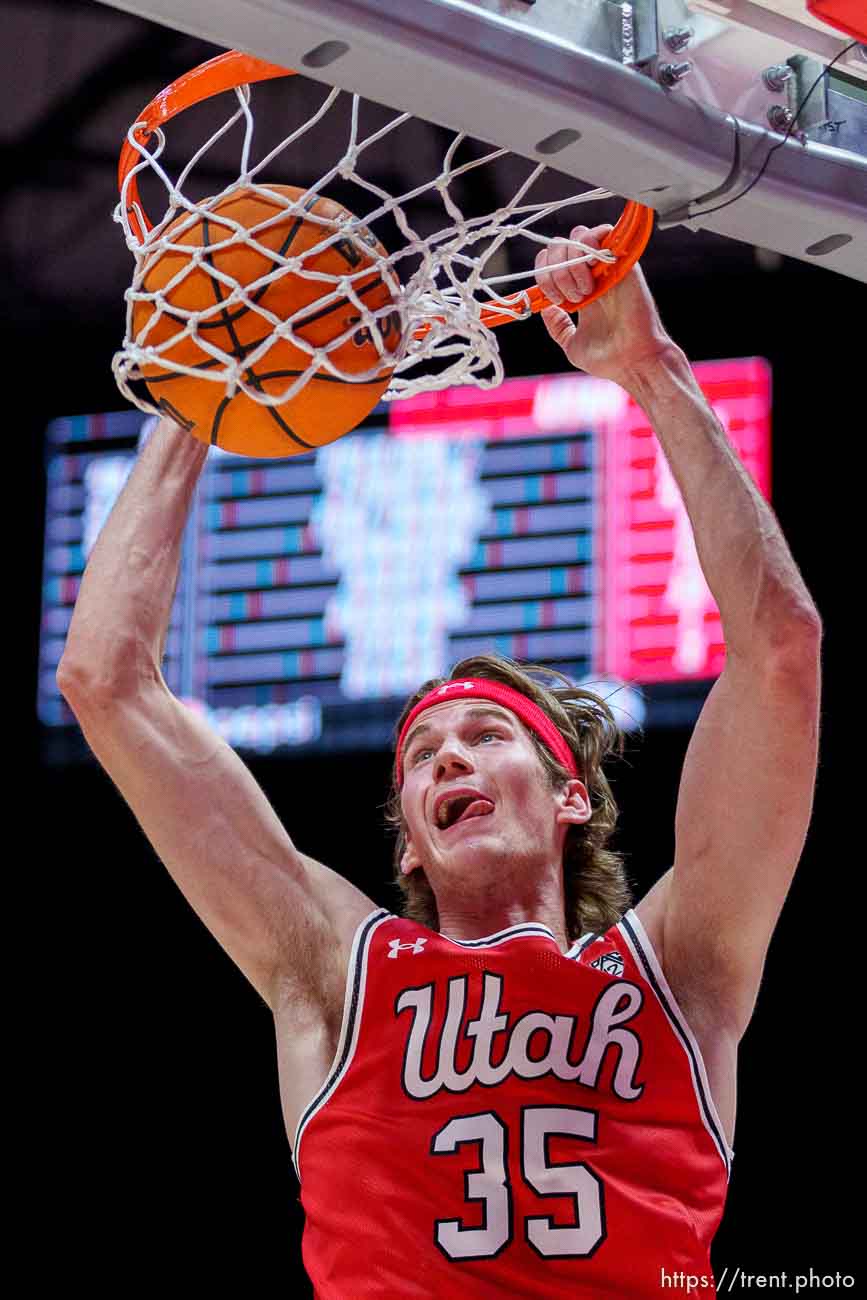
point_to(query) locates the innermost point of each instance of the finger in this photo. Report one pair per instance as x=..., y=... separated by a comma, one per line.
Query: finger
x=563, y=280
x=594, y=234
x=562, y=283
x=547, y=273
x=573, y=282
x=559, y=325
x=580, y=275
x=590, y=237
x=544, y=278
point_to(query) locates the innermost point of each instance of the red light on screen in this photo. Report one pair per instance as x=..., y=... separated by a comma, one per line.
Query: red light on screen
x=659, y=620
x=655, y=619
x=516, y=409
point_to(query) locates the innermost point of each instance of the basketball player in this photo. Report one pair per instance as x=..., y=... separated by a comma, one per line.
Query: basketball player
x=526, y=1087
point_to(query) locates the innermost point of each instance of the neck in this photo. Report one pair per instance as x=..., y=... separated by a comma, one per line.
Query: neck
x=463, y=917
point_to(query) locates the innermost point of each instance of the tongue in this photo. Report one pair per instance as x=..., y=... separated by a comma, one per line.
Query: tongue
x=478, y=808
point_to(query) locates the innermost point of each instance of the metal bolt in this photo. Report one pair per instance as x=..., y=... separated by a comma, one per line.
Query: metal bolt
x=776, y=76
x=780, y=118
x=671, y=73
x=677, y=38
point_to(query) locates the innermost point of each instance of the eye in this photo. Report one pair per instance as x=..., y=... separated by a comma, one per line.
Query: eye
x=419, y=753
x=495, y=734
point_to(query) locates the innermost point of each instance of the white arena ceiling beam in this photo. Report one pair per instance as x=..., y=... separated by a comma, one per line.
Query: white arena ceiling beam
x=518, y=81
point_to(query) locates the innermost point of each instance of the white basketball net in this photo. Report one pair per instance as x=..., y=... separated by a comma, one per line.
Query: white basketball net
x=439, y=280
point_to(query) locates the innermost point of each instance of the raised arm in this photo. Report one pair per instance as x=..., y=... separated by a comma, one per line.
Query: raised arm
x=746, y=790
x=747, y=786
x=274, y=910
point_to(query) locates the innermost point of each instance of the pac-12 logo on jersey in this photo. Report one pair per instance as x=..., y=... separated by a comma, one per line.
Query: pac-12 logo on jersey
x=395, y=946
x=610, y=963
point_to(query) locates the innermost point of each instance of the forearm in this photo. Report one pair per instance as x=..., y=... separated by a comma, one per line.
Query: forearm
x=119, y=624
x=746, y=561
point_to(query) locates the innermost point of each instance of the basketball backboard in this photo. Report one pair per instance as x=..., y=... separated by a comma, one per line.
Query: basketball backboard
x=675, y=103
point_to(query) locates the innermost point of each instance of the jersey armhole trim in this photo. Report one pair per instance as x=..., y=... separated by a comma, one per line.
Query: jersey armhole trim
x=573, y=953
x=353, y=1001
x=644, y=954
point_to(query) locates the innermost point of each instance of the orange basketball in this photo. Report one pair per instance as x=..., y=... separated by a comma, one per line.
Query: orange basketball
x=327, y=406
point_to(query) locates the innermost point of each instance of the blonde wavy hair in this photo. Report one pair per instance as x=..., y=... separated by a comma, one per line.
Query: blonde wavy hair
x=596, y=889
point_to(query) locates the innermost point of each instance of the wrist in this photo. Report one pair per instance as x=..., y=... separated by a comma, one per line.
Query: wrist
x=171, y=452
x=661, y=378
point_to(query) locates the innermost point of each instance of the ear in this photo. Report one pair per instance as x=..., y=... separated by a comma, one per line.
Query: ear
x=409, y=861
x=574, y=805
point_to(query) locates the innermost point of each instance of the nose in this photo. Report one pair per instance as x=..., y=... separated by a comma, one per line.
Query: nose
x=452, y=757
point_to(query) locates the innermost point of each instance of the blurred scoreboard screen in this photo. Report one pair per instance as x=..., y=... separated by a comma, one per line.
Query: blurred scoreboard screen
x=537, y=520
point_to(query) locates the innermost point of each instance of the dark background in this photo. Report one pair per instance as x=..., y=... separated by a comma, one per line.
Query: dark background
x=156, y=1154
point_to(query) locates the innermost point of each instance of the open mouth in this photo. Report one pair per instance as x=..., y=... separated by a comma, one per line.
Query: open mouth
x=462, y=808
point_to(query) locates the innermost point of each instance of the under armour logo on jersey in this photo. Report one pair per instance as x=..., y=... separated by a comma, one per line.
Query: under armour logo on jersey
x=611, y=963
x=396, y=946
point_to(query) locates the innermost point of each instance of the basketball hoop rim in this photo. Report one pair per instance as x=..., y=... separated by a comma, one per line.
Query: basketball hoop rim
x=627, y=239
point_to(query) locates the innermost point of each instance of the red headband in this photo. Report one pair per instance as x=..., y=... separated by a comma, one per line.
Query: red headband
x=468, y=688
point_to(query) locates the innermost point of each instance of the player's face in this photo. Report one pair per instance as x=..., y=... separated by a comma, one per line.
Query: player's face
x=475, y=785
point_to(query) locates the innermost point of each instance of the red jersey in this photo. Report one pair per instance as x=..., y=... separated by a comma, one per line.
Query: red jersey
x=503, y=1120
